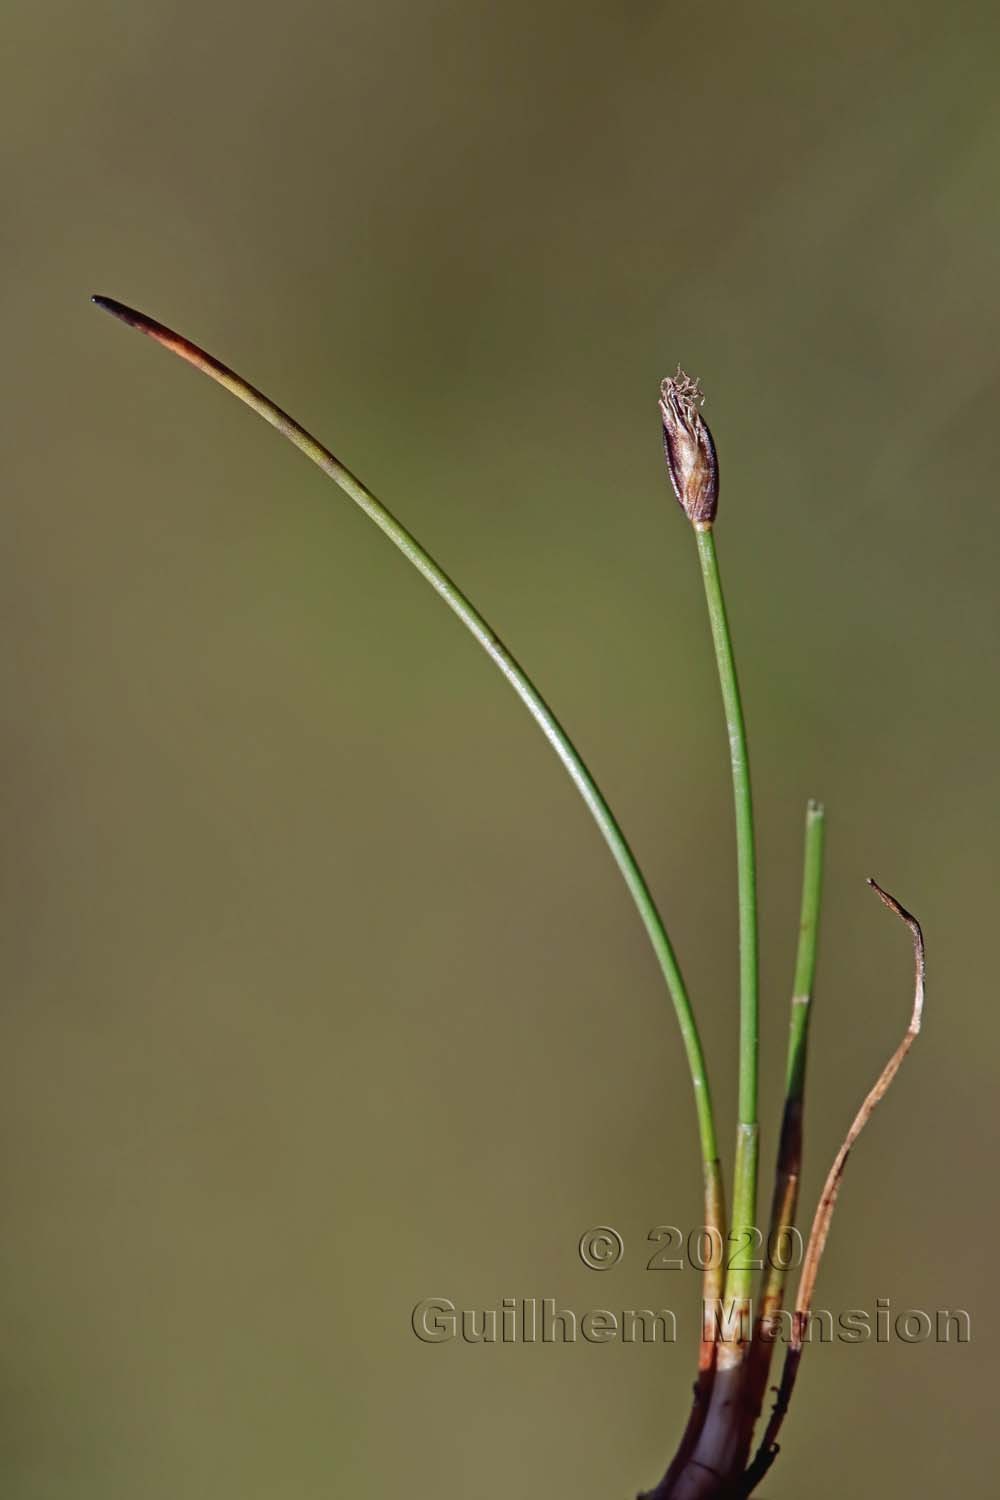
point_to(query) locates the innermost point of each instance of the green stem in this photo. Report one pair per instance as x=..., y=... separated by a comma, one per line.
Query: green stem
x=744, y=1210
x=805, y=957
x=788, y=1169
x=515, y=675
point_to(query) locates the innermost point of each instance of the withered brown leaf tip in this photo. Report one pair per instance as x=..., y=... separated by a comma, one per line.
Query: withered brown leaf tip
x=687, y=442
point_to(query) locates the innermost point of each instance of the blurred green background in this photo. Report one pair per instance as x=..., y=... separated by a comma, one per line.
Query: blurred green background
x=321, y=994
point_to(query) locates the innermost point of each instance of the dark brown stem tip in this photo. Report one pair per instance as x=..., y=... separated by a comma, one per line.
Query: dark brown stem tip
x=117, y=309
x=129, y=315
x=691, y=458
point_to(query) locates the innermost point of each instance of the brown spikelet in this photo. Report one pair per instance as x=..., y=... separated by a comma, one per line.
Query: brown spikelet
x=687, y=442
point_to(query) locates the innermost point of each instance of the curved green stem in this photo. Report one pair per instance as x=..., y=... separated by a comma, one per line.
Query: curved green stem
x=744, y=1208
x=512, y=671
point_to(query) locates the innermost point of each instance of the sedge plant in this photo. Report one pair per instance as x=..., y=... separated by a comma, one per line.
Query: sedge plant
x=715, y=1458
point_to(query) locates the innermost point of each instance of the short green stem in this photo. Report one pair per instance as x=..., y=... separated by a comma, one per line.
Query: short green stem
x=805, y=956
x=788, y=1167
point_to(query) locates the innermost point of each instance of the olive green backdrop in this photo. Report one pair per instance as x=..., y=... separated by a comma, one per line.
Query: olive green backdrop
x=320, y=992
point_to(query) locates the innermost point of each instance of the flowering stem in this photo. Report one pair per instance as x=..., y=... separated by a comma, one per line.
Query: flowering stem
x=512, y=671
x=744, y=1209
